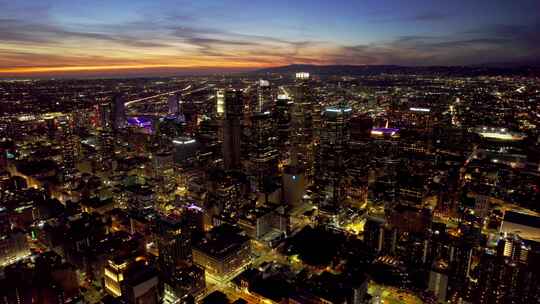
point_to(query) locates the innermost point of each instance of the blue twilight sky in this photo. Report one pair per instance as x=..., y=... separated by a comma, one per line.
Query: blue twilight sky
x=71, y=36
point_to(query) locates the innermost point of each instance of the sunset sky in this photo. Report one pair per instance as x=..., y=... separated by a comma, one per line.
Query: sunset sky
x=40, y=37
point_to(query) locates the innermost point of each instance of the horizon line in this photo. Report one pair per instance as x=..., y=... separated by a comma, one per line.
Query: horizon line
x=167, y=70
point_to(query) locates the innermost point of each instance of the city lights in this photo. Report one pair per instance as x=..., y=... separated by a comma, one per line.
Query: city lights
x=269, y=152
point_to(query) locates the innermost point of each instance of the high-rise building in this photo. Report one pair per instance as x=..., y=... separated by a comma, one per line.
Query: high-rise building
x=332, y=154
x=220, y=103
x=141, y=285
x=118, y=112
x=173, y=103
x=105, y=115
x=282, y=117
x=114, y=272
x=374, y=233
x=302, y=152
x=438, y=280
x=223, y=253
x=69, y=143
x=185, y=150
x=174, y=244
x=380, y=236
x=234, y=105
x=106, y=138
x=264, y=153
x=302, y=114
x=208, y=136
x=294, y=184
x=13, y=247
x=184, y=285
x=264, y=96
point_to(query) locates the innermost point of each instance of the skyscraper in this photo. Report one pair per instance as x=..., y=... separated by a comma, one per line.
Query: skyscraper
x=302, y=114
x=220, y=102
x=174, y=244
x=173, y=103
x=332, y=154
x=302, y=124
x=106, y=139
x=438, y=280
x=118, y=118
x=282, y=117
x=264, y=95
x=69, y=144
x=105, y=115
x=234, y=104
x=264, y=152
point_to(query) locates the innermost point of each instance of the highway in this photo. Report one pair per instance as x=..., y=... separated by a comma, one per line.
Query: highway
x=129, y=103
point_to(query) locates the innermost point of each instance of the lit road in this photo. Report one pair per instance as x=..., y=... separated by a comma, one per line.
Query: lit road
x=285, y=91
x=129, y=103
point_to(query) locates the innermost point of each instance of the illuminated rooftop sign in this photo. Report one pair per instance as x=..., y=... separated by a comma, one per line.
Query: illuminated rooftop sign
x=302, y=75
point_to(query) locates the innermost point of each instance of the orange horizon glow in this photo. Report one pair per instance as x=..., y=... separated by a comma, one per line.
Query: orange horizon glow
x=84, y=68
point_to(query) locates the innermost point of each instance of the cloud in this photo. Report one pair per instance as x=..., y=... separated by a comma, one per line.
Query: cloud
x=425, y=50
x=13, y=30
x=429, y=16
x=520, y=35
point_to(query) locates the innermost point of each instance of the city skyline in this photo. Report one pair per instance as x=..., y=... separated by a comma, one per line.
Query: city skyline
x=143, y=37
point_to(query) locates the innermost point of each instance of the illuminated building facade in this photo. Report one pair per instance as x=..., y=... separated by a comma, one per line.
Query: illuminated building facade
x=225, y=252
x=185, y=283
x=438, y=280
x=114, y=273
x=264, y=96
x=220, y=102
x=13, y=247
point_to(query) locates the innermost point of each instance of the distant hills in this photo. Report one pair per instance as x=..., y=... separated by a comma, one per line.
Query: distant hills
x=359, y=70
